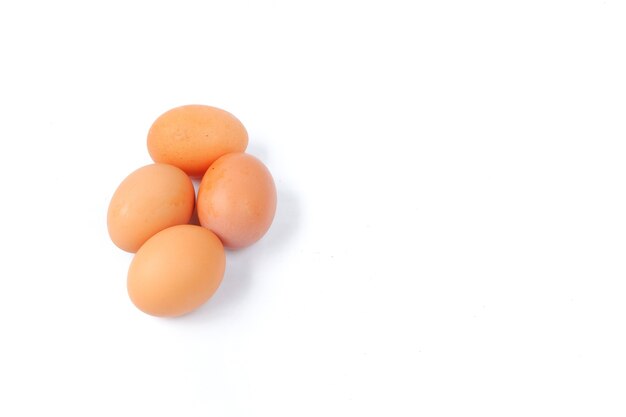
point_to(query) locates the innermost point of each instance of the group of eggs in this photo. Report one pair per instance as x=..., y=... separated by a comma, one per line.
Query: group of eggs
x=178, y=266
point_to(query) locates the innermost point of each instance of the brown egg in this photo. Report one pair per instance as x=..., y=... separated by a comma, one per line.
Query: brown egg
x=176, y=271
x=192, y=137
x=237, y=199
x=149, y=200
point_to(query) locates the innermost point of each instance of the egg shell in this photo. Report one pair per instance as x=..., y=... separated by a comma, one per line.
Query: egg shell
x=176, y=271
x=237, y=199
x=192, y=137
x=149, y=200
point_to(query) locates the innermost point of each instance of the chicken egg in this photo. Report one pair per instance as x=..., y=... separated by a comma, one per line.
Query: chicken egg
x=149, y=200
x=192, y=137
x=176, y=271
x=237, y=199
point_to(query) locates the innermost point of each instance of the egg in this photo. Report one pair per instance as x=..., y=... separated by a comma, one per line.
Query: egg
x=237, y=199
x=192, y=137
x=149, y=200
x=176, y=271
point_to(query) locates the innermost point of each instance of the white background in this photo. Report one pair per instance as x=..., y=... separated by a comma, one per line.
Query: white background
x=451, y=232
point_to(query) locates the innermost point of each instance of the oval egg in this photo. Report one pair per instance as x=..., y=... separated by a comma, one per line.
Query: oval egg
x=237, y=199
x=149, y=200
x=176, y=271
x=192, y=137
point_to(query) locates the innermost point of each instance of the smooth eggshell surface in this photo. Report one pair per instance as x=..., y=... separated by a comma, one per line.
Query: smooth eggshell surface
x=237, y=199
x=149, y=200
x=176, y=271
x=192, y=137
